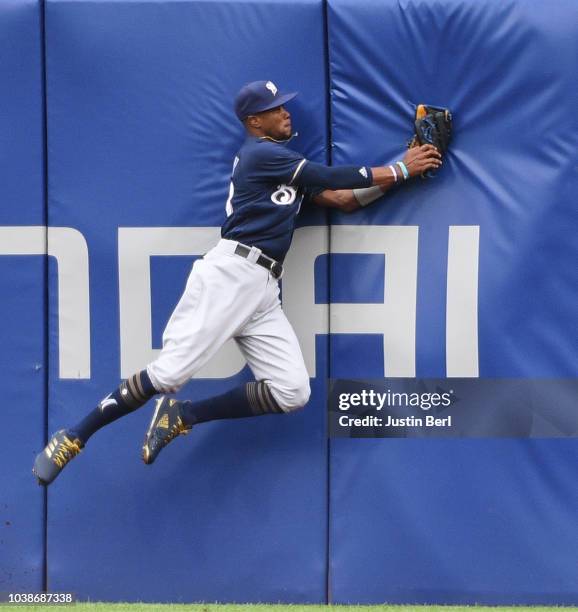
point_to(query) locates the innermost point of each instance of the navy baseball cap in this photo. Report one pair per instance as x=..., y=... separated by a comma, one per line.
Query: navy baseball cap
x=259, y=96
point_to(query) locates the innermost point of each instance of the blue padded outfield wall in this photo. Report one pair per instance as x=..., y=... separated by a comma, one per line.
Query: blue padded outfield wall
x=471, y=274
x=22, y=302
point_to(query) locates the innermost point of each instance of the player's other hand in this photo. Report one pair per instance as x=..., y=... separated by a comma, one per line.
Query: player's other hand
x=421, y=159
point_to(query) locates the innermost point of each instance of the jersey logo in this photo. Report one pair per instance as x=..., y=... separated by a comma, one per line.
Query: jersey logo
x=271, y=87
x=363, y=172
x=284, y=195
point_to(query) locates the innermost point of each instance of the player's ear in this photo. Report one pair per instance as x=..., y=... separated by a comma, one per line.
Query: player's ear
x=253, y=121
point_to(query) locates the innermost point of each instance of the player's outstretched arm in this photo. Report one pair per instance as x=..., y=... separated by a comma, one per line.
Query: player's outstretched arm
x=342, y=199
x=415, y=162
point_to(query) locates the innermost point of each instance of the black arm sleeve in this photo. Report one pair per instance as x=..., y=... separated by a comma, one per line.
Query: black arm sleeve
x=339, y=177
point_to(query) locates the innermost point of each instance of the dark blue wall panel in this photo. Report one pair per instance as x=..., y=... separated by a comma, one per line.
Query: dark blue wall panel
x=22, y=309
x=432, y=521
x=142, y=134
x=471, y=521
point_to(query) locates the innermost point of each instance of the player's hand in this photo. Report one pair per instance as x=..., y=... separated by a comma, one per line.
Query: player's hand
x=421, y=159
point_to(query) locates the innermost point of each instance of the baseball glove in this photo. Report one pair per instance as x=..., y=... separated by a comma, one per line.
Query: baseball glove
x=432, y=125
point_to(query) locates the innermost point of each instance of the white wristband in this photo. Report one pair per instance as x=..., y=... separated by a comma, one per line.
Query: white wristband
x=393, y=171
x=403, y=169
x=367, y=195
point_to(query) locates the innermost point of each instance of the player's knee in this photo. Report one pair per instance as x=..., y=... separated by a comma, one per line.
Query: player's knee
x=294, y=396
x=301, y=396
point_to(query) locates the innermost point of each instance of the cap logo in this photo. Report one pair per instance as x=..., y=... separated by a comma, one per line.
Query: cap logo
x=271, y=87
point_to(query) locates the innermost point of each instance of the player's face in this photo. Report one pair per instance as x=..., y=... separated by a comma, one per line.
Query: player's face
x=276, y=123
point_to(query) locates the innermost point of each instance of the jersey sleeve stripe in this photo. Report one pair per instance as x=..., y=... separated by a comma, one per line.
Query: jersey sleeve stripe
x=297, y=170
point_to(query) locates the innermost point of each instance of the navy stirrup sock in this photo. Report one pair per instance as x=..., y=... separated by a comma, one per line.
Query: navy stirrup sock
x=252, y=399
x=132, y=394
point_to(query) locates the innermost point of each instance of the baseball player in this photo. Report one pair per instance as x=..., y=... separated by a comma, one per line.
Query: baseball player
x=233, y=291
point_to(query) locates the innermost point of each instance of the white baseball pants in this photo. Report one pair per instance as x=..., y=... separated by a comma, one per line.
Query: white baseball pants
x=228, y=296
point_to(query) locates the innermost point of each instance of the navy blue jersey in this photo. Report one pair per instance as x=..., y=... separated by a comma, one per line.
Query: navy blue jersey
x=263, y=200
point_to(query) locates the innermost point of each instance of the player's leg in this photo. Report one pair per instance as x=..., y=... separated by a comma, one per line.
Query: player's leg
x=133, y=393
x=173, y=417
x=65, y=444
x=272, y=350
x=208, y=313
